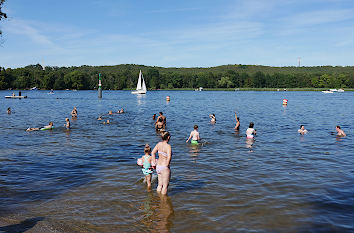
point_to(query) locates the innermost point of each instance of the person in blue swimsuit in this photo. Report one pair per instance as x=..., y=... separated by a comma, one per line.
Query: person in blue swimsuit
x=147, y=168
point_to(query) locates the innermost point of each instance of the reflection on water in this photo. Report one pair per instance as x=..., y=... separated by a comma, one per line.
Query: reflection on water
x=85, y=179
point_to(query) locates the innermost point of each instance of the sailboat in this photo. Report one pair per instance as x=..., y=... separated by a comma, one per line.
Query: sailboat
x=141, y=87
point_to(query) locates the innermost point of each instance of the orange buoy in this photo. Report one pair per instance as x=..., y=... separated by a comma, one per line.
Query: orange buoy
x=285, y=102
x=167, y=98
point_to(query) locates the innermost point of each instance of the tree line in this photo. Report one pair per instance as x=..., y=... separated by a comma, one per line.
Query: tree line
x=125, y=77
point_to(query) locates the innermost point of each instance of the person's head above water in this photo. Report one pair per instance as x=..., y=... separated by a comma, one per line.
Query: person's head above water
x=195, y=126
x=302, y=126
x=161, y=113
x=165, y=136
x=50, y=123
x=66, y=119
x=147, y=149
x=251, y=125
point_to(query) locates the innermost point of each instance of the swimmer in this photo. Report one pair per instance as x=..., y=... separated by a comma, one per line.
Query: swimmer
x=99, y=118
x=147, y=167
x=250, y=132
x=340, y=132
x=106, y=122
x=213, y=118
x=164, y=150
x=154, y=117
x=162, y=117
x=121, y=110
x=74, y=113
x=67, y=124
x=302, y=130
x=110, y=113
x=8, y=110
x=49, y=126
x=13, y=94
x=237, y=127
x=194, y=136
x=160, y=126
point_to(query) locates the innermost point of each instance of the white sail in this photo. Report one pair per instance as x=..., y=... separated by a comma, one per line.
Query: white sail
x=140, y=87
x=144, y=86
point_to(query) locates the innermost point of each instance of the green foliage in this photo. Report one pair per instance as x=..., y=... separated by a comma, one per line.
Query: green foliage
x=125, y=77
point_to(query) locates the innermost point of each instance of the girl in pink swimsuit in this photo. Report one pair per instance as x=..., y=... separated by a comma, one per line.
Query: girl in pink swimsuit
x=163, y=163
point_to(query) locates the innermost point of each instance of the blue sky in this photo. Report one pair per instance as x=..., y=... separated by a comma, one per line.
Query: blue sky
x=195, y=33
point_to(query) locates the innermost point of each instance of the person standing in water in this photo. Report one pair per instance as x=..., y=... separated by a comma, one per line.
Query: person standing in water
x=213, y=118
x=237, y=127
x=194, y=136
x=8, y=110
x=302, y=130
x=74, y=113
x=147, y=167
x=164, y=150
x=340, y=132
x=162, y=117
x=250, y=132
x=67, y=123
x=160, y=126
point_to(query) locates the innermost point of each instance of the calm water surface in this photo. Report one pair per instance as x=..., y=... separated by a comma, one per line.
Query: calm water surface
x=86, y=179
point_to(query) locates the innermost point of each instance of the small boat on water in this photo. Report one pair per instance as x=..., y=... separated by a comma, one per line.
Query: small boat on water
x=51, y=92
x=340, y=90
x=34, y=88
x=140, y=87
x=328, y=92
x=16, y=96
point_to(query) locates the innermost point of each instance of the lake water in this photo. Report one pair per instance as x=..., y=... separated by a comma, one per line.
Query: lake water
x=87, y=180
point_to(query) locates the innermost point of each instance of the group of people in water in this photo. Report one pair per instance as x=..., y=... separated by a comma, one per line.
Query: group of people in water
x=149, y=161
x=163, y=149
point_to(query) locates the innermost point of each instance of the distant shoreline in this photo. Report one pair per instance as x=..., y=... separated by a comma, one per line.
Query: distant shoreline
x=209, y=89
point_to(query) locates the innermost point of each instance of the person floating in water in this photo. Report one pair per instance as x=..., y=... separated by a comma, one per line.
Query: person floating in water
x=67, y=123
x=47, y=127
x=121, y=110
x=110, y=113
x=302, y=130
x=9, y=110
x=160, y=126
x=74, y=113
x=340, y=132
x=212, y=118
x=147, y=165
x=99, y=118
x=250, y=132
x=194, y=136
x=237, y=127
x=162, y=117
x=164, y=150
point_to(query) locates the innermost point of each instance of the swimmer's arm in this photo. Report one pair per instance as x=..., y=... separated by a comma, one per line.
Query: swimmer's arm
x=169, y=153
x=236, y=117
x=190, y=136
x=153, y=152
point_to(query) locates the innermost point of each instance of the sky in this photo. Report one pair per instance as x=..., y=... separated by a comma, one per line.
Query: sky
x=193, y=33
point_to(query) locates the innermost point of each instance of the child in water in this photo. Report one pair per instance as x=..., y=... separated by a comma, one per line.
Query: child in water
x=213, y=118
x=67, y=123
x=147, y=167
x=194, y=136
x=250, y=132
